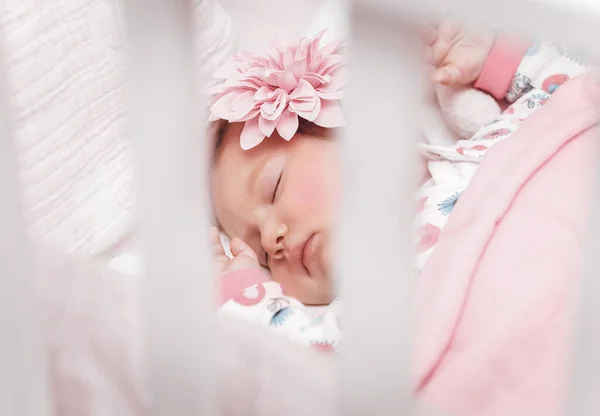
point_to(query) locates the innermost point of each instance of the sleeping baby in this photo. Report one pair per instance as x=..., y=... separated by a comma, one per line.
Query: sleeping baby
x=275, y=178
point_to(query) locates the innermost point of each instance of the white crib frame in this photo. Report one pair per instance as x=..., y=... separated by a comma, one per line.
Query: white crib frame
x=375, y=368
x=24, y=387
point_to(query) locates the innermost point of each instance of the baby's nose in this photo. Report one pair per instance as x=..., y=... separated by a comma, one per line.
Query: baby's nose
x=274, y=243
x=277, y=248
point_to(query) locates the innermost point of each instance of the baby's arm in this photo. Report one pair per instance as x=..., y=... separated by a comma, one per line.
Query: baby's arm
x=504, y=67
x=514, y=68
x=249, y=295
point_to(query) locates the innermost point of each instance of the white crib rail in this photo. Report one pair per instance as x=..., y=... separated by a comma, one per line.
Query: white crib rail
x=585, y=374
x=379, y=154
x=171, y=149
x=24, y=388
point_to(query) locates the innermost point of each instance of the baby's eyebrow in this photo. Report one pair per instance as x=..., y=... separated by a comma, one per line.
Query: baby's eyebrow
x=252, y=179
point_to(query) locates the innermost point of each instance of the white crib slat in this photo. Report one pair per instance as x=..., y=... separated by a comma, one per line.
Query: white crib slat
x=375, y=237
x=23, y=380
x=171, y=151
x=585, y=373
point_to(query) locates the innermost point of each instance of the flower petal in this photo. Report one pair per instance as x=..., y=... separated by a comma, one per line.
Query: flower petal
x=304, y=105
x=221, y=108
x=331, y=63
x=303, y=90
x=251, y=135
x=253, y=113
x=272, y=109
x=299, y=68
x=309, y=112
x=241, y=105
x=338, y=81
x=262, y=94
x=304, y=47
x=271, y=90
x=315, y=63
x=288, y=124
x=331, y=96
x=265, y=126
x=319, y=36
x=247, y=81
x=270, y=76
x=305, y=102
x=287, y=81
x=315, y=44
x=331, y=115
x=332, y=48
x=275, y=58
x=316, y=80
x=288, y=58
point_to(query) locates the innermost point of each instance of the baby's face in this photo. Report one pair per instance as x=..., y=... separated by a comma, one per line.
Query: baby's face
x=280, y=197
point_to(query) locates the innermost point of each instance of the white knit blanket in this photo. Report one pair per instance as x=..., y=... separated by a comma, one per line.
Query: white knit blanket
x=65, y=72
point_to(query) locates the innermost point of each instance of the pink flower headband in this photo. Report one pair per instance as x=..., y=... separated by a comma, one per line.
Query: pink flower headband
x=271, y=90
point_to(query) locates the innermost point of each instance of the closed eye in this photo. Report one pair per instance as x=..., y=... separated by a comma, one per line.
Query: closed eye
x=276, y=188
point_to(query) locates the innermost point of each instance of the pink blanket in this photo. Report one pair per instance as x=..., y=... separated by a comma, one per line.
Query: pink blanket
x=494, y=300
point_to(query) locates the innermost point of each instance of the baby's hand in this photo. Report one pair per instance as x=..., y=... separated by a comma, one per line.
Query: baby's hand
x=243, y=256
x=458, y=52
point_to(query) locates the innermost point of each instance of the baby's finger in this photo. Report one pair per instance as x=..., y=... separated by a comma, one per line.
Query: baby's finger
x=215, y=240
x=447, y=34
x=448, y=75
x=439, y=51
x=428, y=55
x=428, y=34
x=240, y=248
x=469, y=60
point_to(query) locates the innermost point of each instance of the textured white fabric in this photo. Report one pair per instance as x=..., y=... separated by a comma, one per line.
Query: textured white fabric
x=65, y=69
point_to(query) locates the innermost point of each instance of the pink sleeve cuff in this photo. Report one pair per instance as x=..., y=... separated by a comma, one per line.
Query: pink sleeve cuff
x=501, y=66
x=234, y=283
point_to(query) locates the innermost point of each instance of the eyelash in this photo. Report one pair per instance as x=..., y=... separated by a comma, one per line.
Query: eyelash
x=276, y=188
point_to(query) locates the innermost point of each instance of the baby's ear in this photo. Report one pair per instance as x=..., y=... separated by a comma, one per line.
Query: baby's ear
x=466, y=109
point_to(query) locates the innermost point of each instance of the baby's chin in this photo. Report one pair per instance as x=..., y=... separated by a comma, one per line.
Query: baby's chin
x=317, y=296
x=305, y=288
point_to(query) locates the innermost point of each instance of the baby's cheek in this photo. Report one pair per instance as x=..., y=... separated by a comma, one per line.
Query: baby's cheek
x=311, y=194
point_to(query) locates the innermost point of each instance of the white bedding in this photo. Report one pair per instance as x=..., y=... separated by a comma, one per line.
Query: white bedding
x=66, y=81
